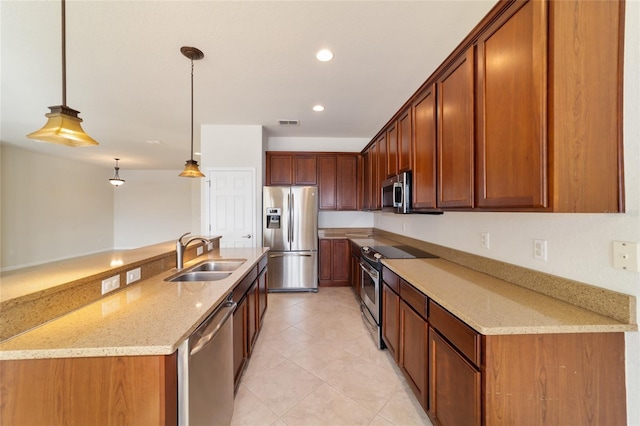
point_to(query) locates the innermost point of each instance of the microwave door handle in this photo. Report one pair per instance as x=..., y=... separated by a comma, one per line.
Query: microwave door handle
x=397, y=193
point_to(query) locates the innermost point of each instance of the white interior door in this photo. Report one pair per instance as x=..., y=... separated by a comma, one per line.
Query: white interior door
x=231, y=206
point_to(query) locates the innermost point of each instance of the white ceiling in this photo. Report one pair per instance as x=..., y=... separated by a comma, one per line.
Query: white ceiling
x=131, y=84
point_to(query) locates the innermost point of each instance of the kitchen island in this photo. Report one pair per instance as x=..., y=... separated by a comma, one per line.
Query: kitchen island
x=116, y=358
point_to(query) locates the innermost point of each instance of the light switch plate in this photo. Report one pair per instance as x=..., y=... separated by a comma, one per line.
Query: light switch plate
x=626, y=255
x=200, y=250
x=209, y=246
x=110, y=284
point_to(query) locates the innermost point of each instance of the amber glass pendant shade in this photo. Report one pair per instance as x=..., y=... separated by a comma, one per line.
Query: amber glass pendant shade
x=63, y=128
x=191, y=170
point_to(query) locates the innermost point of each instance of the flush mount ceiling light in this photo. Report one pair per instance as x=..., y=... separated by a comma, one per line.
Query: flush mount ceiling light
x=324, y=55
x=191, y=168
x=318, y=108
x=115, y=180
x=63, y=124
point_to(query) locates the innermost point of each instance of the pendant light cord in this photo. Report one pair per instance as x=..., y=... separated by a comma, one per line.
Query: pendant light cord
x=64, y=56
x=191, y=109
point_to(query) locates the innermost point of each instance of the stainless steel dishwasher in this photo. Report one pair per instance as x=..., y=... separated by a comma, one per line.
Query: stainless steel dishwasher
x=205, y=371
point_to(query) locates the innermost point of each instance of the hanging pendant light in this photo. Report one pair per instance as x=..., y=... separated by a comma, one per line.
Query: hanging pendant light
x=191, y=168
x=115, y=180
x=63, y=125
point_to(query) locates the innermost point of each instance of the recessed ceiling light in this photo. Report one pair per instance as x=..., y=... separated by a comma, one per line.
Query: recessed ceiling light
x=197, y=153
x=324, y=55
x=154, y=142
x=318, y=108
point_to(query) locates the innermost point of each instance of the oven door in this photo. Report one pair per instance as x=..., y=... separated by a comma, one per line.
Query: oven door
x=370, y=289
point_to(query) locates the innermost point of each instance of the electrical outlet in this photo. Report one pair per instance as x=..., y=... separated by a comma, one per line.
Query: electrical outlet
x=209, y=246
x=626, y=255
x=485, y=240
x=110, y=284
x=199, y=250
x=540, y=250
x=133, y=275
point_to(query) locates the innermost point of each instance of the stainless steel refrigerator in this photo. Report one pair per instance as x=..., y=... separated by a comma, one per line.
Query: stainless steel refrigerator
x=290, y=229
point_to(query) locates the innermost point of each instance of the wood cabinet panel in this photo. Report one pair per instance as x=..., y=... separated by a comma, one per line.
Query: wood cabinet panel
x=511, y=165
x=391, y=320
x=367, y=180
x=327, y=182
x=263, y=286
x=454, y=386
x=456, y=133
x=378, y=171
x=333, y=262
x=252, y=317
x=392, y=150
x=90, y=391
x=555, y=379
x=413, y=359
x=404, y=140
x=240, y=344
x=413, y=298
x=586, y=76
x=347, y=182
x=279, y=169
x=305, y=170
x=424, y=150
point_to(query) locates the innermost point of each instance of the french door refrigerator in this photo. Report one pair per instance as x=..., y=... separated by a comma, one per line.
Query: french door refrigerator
x=290, y=229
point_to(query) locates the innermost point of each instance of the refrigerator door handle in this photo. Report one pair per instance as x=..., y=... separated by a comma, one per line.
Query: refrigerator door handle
x=291, y=254
x=291, y=210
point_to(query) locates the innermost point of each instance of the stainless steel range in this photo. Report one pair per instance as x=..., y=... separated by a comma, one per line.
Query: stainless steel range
x=371, y=282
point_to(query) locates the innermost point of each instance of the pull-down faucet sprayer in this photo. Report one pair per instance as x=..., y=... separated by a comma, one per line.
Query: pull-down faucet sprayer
x=181, y=247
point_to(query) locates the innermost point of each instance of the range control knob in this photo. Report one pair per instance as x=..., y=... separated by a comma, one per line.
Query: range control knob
x=377, y=255
x=365, y=248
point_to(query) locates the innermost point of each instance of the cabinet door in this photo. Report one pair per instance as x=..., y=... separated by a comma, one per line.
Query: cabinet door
x=414, y=352
x=252, y=316
x=511, y=166
x=340, y=260
x=347, y=182
x=392, y=150
x=454, y=385
x=279, y=169
x=324, y=259
x=378, y=170
x=404, y=141
x=355, y=275
x=455, y=134
x=367, y=181
x=424, y=150
x=305, y=170
x=240, y=352
x=262, y=295
x=327, y=177
x=391, y=320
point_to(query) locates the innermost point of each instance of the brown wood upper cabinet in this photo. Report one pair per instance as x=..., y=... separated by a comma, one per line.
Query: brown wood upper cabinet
x=455, y=133
x=424, y=150
x=404, y=140
x=512, y=109
x=392, y=150
x=290, y=168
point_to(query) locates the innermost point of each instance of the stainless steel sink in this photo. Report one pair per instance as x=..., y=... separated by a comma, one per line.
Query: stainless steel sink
x=218, y=265
x=199, y=276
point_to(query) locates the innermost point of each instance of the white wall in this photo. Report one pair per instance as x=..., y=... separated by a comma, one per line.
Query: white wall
x=52, y=208
x=228, y=146
x=317, y=144
x=153, y=206
x=579, y=245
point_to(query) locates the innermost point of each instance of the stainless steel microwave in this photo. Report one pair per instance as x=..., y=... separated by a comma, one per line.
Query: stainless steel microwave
x=396, y=193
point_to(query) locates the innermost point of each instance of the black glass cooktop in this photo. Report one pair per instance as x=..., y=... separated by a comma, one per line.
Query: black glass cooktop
x=402, y=252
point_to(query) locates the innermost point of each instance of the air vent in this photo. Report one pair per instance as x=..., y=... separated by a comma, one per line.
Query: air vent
x=289, y=122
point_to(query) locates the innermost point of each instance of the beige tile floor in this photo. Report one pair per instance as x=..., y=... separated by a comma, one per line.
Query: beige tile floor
x=315, y=364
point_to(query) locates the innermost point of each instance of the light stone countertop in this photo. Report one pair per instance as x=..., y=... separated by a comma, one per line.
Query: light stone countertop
x=492, y=306
x=150, y=317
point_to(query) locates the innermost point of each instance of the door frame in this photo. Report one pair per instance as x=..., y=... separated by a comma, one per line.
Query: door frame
x=206, y=196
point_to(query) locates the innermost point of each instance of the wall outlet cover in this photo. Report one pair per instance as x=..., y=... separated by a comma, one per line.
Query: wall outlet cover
x=626, y=255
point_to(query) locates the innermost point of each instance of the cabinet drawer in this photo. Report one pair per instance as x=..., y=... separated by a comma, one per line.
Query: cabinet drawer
x=463, y=337
x=262, y=263
x=414, y=298
x=392, y=280
x=244, y=285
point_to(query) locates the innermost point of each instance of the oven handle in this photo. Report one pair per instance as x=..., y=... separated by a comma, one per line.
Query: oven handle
x=366, y=318
x=369, y=270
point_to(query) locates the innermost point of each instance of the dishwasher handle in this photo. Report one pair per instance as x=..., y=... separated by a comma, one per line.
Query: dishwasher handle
x=213, y=326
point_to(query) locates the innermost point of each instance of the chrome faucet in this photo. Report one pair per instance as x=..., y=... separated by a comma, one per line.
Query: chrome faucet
x=181, y=247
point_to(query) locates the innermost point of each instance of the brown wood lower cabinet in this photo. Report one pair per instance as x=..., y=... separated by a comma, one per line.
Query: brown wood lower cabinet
x=333, y=262
x=136, y=390
x=462, y=377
